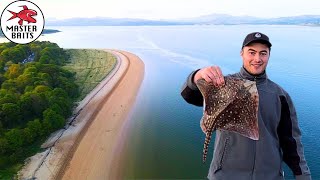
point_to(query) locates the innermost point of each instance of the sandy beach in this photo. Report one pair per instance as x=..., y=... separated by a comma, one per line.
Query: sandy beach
x=85, y=150
x=92, y=158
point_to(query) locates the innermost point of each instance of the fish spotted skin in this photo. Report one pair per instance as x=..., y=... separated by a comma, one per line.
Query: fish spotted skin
x=232, y=107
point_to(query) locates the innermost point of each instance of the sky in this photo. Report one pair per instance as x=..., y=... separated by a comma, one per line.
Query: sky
x=172, y=9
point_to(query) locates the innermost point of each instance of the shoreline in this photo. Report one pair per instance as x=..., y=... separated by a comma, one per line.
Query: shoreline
x=93, y=157
x=85, y=149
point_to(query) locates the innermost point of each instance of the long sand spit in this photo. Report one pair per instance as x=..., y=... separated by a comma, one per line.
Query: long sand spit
x=86, y=148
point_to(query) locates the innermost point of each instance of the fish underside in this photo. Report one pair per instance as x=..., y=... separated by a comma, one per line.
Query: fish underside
x=232, y=107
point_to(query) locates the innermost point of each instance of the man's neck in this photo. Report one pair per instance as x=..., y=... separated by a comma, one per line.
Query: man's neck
x=255, y=75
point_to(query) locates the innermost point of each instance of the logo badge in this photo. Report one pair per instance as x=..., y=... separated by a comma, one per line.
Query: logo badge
x=22, y=22
x=257, y=35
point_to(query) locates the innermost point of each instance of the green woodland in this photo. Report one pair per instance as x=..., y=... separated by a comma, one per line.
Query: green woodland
x=40, y=84
x=36, y=97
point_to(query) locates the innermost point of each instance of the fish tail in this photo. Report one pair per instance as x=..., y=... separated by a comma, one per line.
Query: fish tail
x=206, y=144
x=14, y=15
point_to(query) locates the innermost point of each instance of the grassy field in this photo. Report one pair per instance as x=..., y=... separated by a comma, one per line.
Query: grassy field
x=90, y=66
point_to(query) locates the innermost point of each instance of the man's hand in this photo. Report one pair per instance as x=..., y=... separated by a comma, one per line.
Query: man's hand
x=210, y=74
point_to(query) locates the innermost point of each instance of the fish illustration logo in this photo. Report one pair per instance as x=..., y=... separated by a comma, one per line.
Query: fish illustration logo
x=24, y=15
x=22, y=22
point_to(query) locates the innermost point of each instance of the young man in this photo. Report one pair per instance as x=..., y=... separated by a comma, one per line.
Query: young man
x=239, y=158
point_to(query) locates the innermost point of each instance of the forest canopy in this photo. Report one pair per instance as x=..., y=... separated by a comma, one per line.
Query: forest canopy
x=36, y=96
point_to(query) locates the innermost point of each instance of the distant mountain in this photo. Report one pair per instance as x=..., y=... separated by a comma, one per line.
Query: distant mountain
x=222, y=19
x=45, y=31
x=202, y=20
x=228, y=19
x=110, y=22
x=306, y=19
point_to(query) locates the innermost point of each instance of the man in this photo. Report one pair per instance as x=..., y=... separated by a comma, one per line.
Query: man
x=239, y=158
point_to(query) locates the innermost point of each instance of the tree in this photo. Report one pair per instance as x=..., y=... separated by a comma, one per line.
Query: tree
x=25, y=79
x=41, y=89
x=10, y=115
x=44, y=78
x=13, y=71
x=45, y=59
x=13, y=54
x=6, y=55
x=30, y=69
x=28, y=136
x=2, y=47
x=56, y=120
x=1, y=129
x=26, y=105
x=52, y=71
x=70, y=87
x=4, y=146
x=60, y=102
x=33, y=104
x=9, y=85
x=15, y=139
x=8, y=97
x=35, y=127
x=46, y=127
x=28, y=89
x=2, y=68
x=35, y=97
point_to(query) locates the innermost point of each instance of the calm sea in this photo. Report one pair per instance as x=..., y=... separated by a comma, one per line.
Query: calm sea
x=164, y=137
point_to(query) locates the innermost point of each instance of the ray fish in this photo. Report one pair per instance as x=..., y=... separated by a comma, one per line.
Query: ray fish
x=232, y=107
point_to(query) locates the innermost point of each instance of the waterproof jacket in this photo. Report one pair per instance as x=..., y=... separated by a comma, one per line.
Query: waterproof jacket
x=239, y=158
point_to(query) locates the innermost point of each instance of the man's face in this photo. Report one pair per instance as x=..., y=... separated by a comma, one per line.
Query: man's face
x=255, y=57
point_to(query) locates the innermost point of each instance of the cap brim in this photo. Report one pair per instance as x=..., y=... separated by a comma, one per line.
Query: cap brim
x=259, y=41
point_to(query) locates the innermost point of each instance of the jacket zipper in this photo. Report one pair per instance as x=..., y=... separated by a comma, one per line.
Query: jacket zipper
x=254, y=159
x=224, y=152
x=254, y=145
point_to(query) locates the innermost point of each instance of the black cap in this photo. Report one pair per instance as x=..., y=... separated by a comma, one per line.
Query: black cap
x=256, y=37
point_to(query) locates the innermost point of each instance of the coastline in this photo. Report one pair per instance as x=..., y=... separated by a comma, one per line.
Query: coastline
x=85, y=149
x=92, y=159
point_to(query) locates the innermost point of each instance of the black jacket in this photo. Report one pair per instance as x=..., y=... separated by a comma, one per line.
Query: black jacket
x=238, y=157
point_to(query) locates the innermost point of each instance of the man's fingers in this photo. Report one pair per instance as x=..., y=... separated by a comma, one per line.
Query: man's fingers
x=207, y=78
x=212, y=74
x=213, y=79
x=216, y=75
x=207, y=75
x=214, y=71
x=218, y=70
x=221, y=78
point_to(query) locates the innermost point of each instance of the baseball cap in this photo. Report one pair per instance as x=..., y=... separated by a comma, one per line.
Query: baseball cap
x=256, y=37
